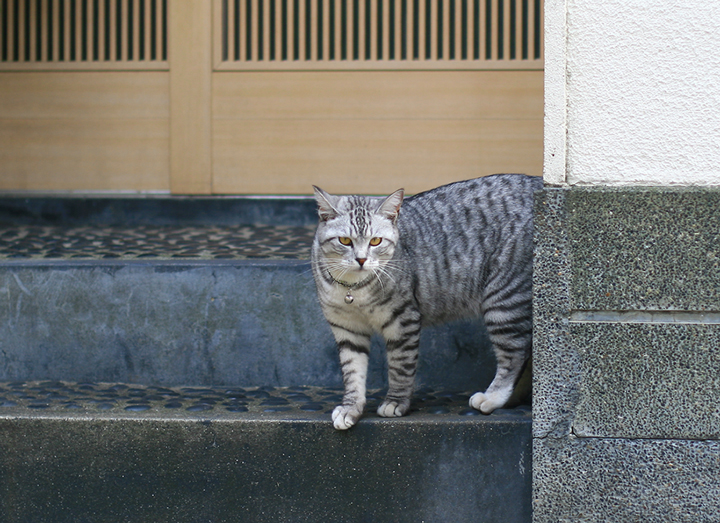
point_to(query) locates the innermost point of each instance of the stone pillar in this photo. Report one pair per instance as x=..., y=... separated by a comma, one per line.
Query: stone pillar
x=627, y=265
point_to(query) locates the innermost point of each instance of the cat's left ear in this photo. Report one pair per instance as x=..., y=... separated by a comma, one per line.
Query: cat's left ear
x=326, y=210
x=390, y=206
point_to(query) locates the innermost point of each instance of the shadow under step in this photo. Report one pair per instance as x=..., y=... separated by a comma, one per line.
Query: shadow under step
x=110, y=452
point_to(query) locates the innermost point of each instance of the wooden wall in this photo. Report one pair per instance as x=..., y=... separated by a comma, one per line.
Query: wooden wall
x=200, y=118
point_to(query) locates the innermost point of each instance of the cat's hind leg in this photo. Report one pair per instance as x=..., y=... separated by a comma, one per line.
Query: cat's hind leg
x=507, y=312
x=500, y=390
x=512, y=350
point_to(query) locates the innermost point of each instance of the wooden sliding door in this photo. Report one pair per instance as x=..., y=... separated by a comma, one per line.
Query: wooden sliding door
x=84, y=95
x=267, y=96
x=371, y=95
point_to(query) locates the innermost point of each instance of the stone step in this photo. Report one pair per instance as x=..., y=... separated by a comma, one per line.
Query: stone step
x=174, y=211
x=166, y=359
x=187, y=304
x=109, y=452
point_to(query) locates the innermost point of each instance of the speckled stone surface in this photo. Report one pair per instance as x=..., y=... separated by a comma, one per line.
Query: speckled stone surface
x=583, y=480
x=556, y=366
x=626, y=390
x=627, y=374
x=190, y=454
x=647, y=249
x=113, y=400
x=648, y=380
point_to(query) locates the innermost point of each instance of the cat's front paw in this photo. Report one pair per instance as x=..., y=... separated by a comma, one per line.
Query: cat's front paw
x=393, y=408
x=486, y=403
x=345, y=416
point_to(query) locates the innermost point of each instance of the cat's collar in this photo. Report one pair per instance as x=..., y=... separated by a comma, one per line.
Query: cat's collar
x=349, y=286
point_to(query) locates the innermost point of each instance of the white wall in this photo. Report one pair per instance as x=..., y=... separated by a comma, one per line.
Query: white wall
x=632, y=92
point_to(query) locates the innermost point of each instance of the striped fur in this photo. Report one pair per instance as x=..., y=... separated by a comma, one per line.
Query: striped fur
x=461, y=250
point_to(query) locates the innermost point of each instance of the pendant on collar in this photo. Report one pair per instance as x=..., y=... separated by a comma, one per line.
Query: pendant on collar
x=349, y=298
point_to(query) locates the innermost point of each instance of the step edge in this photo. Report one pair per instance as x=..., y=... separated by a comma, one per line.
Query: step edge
x=276, y=418
x=178, y=262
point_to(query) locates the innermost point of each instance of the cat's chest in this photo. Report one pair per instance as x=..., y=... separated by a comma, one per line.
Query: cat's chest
x=359, y=307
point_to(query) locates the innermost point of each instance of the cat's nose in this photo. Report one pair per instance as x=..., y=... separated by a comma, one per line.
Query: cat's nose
x=361, y=261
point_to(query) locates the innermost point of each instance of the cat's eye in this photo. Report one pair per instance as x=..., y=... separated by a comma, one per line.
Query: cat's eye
x=375, y=241
x=345, y=241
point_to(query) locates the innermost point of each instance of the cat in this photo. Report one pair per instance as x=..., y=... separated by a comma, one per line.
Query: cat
x=461, y=250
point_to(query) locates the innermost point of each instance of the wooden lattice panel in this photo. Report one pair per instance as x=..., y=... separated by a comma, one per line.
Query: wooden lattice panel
x=378, y=34
x=83, y=34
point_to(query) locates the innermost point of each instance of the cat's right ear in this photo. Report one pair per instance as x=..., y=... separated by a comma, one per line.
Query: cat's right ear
x=326, y=210
x=390, y=206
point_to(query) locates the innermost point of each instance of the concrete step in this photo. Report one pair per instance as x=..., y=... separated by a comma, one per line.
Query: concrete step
x=90, y=299
x=175, y=211
x=165, y=359
x=103, y=452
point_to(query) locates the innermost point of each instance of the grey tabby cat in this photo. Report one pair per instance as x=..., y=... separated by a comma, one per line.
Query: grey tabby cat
x=461, y=250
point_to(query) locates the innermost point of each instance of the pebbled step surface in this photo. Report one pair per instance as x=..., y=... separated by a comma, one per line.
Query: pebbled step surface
x=239, y=242
x=67, y=398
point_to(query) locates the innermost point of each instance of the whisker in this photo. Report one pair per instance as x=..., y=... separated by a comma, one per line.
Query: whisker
x=393, y=267
x=379, y=279
x=386, y=273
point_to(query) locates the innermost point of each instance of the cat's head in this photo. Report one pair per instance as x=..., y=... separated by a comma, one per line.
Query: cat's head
x=357, y=235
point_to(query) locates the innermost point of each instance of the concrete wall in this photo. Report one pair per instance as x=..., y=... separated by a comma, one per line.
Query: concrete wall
x=632, y=93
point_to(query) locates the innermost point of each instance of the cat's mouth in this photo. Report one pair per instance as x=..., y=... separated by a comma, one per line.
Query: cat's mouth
x=365, y=269
x=357, y=273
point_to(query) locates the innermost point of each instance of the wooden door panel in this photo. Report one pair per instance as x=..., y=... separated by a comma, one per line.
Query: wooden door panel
x=372, y=132
x=84, y=131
